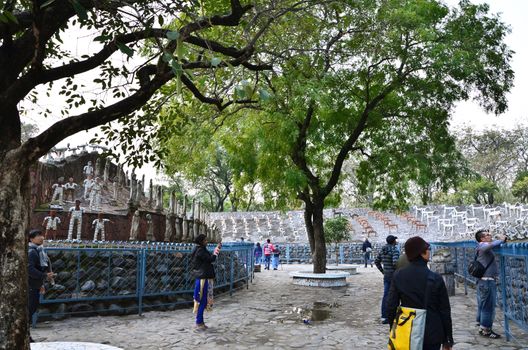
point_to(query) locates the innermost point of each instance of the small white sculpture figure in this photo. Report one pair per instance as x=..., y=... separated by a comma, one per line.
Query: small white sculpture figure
x=51, y=223
x=106, y=173
x=75, y=217
x=150, y=228
x=169, y=230
x=58, y=191
x=134, y=227
x=88, y=169
x=99, y=226
x=87, y=184
x=95, y=194
x=69, y=188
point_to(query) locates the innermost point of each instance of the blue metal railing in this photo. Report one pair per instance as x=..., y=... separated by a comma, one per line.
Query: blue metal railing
x=97, y=274
x=512, y=289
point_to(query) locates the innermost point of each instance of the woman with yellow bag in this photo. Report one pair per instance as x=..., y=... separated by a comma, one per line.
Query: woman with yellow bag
x=418, y=305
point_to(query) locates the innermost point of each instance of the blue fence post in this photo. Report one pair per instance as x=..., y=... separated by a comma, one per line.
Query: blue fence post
x=142, y=256
x=465, y=270
x=341, y=255
x=78, y=287
x=249, y=267
x=504, y=303
x=287, y=254
x=232, y=273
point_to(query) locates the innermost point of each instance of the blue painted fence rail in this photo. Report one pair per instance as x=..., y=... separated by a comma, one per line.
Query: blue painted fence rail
x=138, y=272
x=512, y=287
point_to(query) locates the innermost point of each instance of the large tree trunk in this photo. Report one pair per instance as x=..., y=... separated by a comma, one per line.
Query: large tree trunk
x=308, y=214
x=14, y=219
x=319, y=251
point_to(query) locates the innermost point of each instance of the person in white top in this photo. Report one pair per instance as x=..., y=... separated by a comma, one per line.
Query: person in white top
x=99, y=225
x=75, y=217
x=51, y=223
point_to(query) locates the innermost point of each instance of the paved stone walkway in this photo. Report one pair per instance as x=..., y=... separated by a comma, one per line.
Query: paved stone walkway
x=269, y=315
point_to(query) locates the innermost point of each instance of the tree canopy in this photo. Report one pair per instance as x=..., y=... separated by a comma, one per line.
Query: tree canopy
x=372, y=80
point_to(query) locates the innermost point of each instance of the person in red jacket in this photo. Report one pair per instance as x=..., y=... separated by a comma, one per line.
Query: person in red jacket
x=268, y=250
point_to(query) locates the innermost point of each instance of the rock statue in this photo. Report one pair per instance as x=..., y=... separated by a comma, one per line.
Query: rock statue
x=169, y=229
x=96, y=194
x=106, y=173
x=150, y=228
x=99, y=226
x=58, y=191
x=133, y=189
x=87, y=184
x=69, y=189
x=172, y=199
x=115, y=188
x=88, y=170
x=119, y=175
x=134, y=227
x=75, y=216
x=97, y=168
x=151, y=194
x=159, y=199
x=51, y=224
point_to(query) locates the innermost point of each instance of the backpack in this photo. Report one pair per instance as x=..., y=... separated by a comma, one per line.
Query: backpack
x=408, y=328
x=476, y=269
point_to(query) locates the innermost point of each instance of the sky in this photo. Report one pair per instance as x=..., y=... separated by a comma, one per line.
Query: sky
x=512, y=12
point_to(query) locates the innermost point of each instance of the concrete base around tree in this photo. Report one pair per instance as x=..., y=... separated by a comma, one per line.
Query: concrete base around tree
x=323, y=280
x=71, y=346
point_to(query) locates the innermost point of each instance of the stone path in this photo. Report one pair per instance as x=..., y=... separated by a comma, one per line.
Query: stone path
x=269, y=315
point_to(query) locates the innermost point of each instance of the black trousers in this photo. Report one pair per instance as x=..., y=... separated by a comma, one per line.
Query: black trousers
x=33, y=302
x=432, y=346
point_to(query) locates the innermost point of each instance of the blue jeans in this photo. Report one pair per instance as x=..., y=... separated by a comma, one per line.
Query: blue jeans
x=258, y=259
x=366, y=258
x=267, y=259
x=486, y=300
x=386, y=287
x=275, y=261
x=203, y=300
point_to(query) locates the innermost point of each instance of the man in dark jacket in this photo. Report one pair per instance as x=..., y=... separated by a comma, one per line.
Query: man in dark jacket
x=408, y=289
x=38, y=267
x=367, y=249
x=387, y=257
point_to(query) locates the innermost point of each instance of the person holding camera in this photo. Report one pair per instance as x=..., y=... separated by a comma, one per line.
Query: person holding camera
x=39, y=268
x=487, y=284
x=204, y=273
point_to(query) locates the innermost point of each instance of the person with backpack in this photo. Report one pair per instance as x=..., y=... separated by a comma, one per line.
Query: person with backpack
x=386, y=263
x=367, y=250
x=415, y=286
x=258, y=254
x=487, y=284
x=275, y=257
x=268, y=250
x=39, y=269
x=203, y=271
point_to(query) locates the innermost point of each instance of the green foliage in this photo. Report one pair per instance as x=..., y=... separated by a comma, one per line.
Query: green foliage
x=520, y=186
x=336, y=229
x=481, y=190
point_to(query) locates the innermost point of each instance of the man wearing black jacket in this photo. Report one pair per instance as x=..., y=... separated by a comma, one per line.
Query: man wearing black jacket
x=408, y=289
x=388, y=257
x=38, y=267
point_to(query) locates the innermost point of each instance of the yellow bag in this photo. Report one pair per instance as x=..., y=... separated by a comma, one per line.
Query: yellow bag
x=407, y=332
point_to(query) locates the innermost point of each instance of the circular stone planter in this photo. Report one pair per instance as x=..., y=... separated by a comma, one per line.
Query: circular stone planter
x=71, y=346
x=323, y=280
x=351, y=269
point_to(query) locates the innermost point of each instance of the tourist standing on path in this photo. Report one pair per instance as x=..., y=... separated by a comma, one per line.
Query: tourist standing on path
x=268, y=249
x=38, y=271
x=275, y=257
x=203, y=271
x=408, y=288
x=487, y=285
x=387, y=257
x=367, y=250
x=258, y=254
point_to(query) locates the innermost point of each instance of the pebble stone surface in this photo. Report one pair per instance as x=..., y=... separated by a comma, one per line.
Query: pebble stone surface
x=273, y=313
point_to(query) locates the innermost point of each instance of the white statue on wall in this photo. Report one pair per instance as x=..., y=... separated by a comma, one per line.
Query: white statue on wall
x=75, y=216
x=134, y=227
x=99, y=226
x=88, y=169
x=95, y=194
x=150, y=228
x=58, y=191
